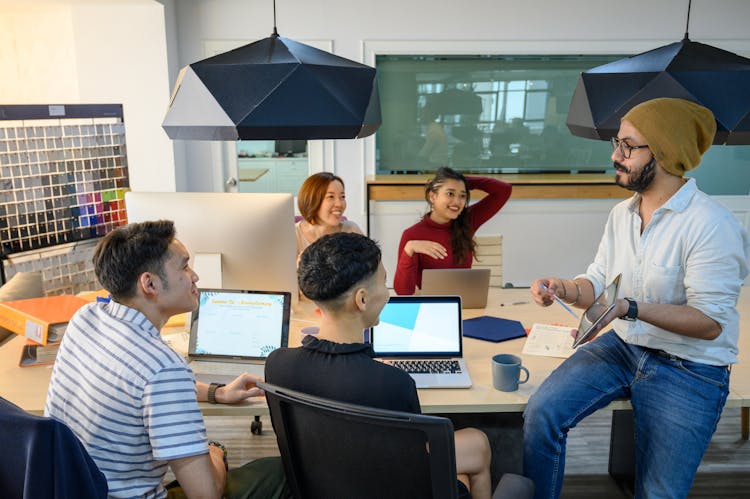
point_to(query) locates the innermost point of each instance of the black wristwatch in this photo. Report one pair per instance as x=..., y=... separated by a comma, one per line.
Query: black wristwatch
x=212, y=391
x=632, y=313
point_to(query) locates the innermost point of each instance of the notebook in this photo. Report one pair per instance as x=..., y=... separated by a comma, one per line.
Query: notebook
x=472, y=285
x=234, y=331
x=421, y=334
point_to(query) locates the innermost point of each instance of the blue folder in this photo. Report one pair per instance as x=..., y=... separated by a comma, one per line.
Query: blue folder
x=493, y=329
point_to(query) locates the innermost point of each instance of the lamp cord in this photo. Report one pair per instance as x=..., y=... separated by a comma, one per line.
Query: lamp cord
x=687, y=24
x=276, y=33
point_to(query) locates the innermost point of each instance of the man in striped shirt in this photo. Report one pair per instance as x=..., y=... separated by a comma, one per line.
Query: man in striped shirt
x=127, y=395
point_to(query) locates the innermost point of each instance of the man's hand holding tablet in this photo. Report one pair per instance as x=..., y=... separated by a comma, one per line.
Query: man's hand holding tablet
x=593, y=318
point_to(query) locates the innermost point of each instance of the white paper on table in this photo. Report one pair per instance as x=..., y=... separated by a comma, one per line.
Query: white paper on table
x=549, y=340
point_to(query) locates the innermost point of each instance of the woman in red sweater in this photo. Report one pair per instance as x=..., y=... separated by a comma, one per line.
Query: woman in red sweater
x=444, y=238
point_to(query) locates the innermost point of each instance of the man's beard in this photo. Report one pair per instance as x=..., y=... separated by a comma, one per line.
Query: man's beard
x=642, y=181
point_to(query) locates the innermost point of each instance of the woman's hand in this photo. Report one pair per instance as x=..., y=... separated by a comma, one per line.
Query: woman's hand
x=429, y=248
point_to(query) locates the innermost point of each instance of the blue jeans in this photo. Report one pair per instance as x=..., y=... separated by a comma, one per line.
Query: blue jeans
x=676, y=407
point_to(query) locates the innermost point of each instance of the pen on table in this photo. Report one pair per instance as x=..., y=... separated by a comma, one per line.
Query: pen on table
x=562, y=303
x=514, y=303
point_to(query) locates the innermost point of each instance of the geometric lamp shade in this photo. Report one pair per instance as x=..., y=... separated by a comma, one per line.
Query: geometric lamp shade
x=712, y=77
x=274, y=88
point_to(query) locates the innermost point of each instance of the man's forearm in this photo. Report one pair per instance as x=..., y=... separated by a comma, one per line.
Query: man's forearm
x=577, y=292
x=201, y=391
x=679, y=319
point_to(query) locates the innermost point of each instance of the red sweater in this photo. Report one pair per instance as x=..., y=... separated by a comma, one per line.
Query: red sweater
x=409, y=270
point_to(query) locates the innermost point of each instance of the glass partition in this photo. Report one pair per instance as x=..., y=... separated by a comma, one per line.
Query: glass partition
x=483, y=113
x=504, y=114
x=272, y=165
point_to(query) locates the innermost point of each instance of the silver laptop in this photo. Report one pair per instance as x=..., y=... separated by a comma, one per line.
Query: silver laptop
x=234, y=331
x=472, y=285
x=422, y=335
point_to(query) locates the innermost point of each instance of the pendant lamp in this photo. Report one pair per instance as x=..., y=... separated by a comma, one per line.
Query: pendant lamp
x=274, y=88
x=712, y=77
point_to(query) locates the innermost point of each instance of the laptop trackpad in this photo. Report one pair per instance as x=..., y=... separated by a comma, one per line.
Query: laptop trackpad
x=440, y=381
x=424, y=380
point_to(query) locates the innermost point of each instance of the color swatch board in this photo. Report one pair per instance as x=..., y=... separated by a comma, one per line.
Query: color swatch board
x=63, y=174
x=66, y=268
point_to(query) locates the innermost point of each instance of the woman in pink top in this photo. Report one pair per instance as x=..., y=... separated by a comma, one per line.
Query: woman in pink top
x=321, y=201
x=444, y=238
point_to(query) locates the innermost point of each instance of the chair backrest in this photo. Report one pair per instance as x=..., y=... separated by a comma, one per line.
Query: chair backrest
x=47, y=459
x=489, y=255
x=335, y=449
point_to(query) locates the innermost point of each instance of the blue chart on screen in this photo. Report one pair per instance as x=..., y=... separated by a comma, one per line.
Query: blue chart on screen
x=401, y=314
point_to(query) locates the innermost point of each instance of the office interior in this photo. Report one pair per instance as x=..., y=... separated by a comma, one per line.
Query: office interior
x=130, y=52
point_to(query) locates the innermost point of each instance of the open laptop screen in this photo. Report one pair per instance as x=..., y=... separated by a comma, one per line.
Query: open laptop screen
x=419, y=326
x=237, y=325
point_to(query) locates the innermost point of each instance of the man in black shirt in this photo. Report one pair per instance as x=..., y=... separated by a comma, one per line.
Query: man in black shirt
x=343, y=274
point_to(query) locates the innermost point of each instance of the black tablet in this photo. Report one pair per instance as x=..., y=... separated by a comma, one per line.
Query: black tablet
x=593, y=315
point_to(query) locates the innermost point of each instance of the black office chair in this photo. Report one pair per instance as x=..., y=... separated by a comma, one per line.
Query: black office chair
x=44, y=459
x=332, y=449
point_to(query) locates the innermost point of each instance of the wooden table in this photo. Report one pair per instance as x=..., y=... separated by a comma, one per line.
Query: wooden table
x=27, y=387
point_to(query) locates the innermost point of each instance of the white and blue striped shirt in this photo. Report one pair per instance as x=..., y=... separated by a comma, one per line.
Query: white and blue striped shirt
x=128, y=397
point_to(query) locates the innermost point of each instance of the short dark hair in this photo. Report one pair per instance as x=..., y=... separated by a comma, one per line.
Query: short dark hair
x=128, y=251
x=312, y=193
x=333, y=264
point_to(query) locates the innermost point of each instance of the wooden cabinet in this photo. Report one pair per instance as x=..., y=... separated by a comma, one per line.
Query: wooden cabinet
x=272, y=174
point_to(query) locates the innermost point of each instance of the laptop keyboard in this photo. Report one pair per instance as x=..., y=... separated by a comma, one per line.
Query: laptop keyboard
x=428, y=366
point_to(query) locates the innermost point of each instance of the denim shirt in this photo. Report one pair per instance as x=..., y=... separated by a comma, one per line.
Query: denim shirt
x=693, y=252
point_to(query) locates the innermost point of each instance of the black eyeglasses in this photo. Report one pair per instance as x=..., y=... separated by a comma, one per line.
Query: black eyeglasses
x=625, y=149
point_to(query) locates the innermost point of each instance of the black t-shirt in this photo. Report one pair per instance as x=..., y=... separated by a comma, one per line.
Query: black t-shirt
x=345, y=372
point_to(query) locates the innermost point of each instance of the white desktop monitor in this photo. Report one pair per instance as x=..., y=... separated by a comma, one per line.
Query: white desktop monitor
x=241, y=241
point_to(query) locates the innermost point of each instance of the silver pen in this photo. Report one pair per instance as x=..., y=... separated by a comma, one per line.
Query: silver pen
x=562, y=303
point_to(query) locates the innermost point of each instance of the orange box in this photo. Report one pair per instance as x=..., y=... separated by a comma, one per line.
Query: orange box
x=42, y=320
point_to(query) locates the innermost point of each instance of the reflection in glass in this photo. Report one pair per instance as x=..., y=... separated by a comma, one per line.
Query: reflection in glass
x=505, y=114
x=496, y=113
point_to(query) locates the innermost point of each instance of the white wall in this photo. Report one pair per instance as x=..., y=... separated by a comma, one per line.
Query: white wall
x=361, y=29
x=83, y=52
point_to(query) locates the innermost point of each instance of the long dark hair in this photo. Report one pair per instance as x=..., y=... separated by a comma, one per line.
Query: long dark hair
x=462, y=234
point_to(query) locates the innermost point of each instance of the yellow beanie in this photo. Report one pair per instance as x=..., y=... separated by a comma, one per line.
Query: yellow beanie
x=677, y=131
